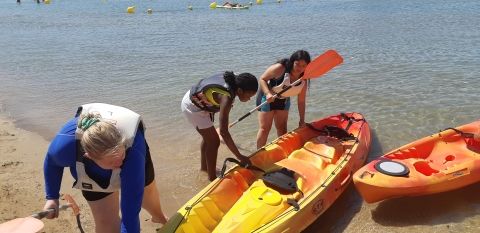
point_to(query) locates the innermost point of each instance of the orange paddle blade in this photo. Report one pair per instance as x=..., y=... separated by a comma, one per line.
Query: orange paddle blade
x=322, y=64
x=22, y=225
x=72, y=203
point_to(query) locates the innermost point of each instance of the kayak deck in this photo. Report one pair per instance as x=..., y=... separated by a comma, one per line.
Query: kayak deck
x=441, y=162
x=290, y=187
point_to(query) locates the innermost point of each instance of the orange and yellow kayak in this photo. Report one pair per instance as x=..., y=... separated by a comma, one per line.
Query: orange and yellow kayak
x=441, y=162
x=291, y=181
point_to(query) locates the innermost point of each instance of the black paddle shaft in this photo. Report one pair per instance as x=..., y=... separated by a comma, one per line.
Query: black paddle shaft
x=265, y=102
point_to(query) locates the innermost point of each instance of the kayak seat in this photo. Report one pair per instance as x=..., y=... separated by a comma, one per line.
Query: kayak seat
x=308, y=175
x=446, y=155
x=290, y=142
x=330, y=149
x=424, y=168
x=265, y=157
x=317, y=161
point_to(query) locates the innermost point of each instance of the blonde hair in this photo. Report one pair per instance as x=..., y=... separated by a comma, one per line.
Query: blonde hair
x=100, y=137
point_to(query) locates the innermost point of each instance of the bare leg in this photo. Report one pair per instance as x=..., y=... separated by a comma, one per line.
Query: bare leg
x=211, y=142
x=105, y=213
x=265, y=120
x=281, y=119
x=203, y=156
x=151, y=203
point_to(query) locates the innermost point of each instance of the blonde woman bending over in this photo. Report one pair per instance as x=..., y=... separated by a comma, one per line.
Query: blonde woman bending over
x=105, y=148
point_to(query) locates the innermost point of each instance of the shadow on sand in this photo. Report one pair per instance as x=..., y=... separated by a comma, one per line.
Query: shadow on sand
x=376, y=149
x=339, y=215
x=442, y=208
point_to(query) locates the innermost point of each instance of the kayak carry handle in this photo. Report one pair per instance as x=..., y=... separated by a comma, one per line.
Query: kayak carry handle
x=350, y=120
x=247, y=166
x=294, y=204
x=463, y=134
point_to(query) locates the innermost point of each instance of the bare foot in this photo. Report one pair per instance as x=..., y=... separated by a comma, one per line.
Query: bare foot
x=218, y=172
x=161, y=220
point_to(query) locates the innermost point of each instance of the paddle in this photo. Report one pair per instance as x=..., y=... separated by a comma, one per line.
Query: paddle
x=22, y=225
x=319, y=66
x=463, y=134
x=232, y=160
x=33, y=224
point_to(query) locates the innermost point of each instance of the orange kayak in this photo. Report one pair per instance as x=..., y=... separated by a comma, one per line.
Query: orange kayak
x=441, y=162
x=290, y=183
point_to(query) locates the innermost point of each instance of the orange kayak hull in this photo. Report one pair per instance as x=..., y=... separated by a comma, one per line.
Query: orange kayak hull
x=438, y=163
x=244, y=201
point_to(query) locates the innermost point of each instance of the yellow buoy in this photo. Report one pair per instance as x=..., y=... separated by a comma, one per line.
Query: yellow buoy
x=190, y=7
x=47, y=1
x=259, y=2
x=131, y=9
x=149, y=11
x=213, y=5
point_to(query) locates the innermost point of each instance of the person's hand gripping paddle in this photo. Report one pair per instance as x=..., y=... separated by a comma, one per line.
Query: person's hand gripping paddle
x=319, y=66
x=33, y=223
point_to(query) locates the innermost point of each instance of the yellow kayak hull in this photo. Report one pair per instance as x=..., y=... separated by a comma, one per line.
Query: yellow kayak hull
x=320, y=159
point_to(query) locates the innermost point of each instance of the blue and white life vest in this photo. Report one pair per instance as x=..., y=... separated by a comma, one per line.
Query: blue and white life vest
x=126, y=121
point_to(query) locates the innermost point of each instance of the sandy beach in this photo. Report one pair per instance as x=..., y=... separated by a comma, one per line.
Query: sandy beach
x=22, y=186
x=22, y=194
x=410, y=67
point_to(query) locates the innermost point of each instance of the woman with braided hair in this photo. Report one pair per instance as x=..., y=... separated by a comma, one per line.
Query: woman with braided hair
x=105, y=149
x=212, y=95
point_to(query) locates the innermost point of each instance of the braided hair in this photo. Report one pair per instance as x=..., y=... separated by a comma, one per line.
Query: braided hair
x=244, y=81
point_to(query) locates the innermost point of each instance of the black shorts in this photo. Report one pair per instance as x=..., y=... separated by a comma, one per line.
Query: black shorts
x=277, y=104
x=149, y=177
